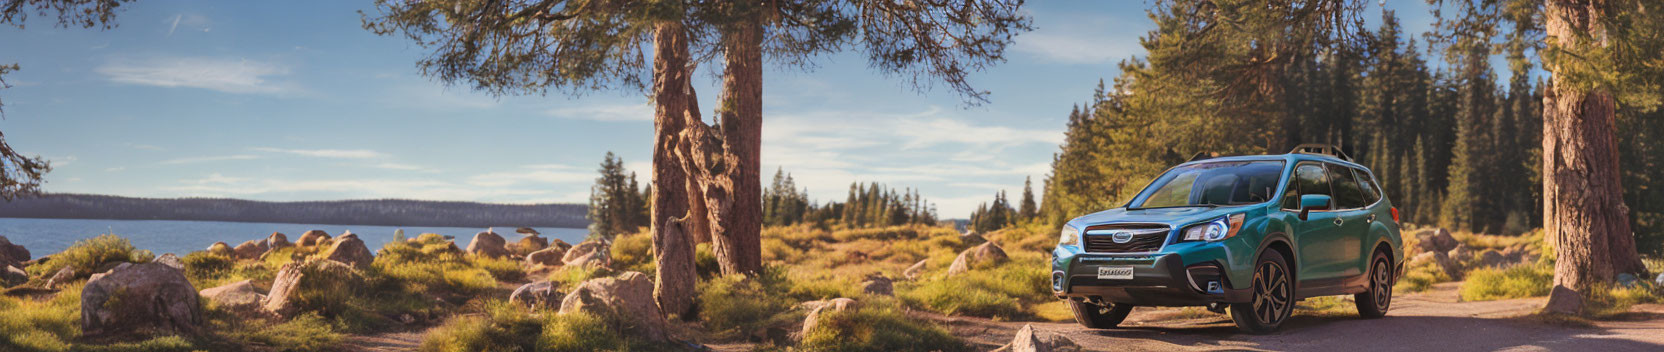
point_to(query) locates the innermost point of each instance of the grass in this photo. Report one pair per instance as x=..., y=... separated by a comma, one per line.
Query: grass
x=503, y=268
x=877, y=324
x=511, y=327
x=1518, y=281
x=86, y=256
x=748, y=307
x=1327, y=306
x=1011, y=290
x=1421, y=277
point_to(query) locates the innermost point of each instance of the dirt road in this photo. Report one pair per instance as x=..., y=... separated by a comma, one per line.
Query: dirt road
x=1430, y=321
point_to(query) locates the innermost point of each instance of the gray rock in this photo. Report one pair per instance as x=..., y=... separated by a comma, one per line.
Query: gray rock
x=1436, y=240
x=592, y=252
x=1628, y=280
x=536, y=294
x=12, y=254
x=220, y=248
x=319, y=275
x=63, y=276
x=312, y=238
x=627, y=297
x=913, y=272
x=278, y=240
x=987, y=254
x=816, y=308
x=547, y=257
x=1563, y=300
x=1029, y=339
x=239, y=295
x=1493, y=259
x=351, y=251
x=878, y=285
x=170, y=260
x=250, y=249
x=1660, y=279
x=487, y=244
x=13, y=276
x=149, y=298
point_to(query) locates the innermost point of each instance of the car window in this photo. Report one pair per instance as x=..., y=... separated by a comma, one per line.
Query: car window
x=1371, y=194
x=1348, y=195
x=1308, y=179
x=1222, y=183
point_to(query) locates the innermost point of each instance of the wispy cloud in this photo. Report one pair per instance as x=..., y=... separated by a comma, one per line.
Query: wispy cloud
x=511, y=178
x=620, y=112
x=327, y=153
x=191, y=21
x=204, y=159
x=240, y=76
x=217, y=185
x=1082, y=38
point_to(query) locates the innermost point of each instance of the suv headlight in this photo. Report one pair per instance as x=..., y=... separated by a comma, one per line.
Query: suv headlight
x=1068, y=237
x=1215, y=230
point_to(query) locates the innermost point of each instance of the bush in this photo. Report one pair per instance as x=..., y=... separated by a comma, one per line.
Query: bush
x=431, y=265
x=1421, y=277
x=85, y=256
x=877, y=324
x=1514, y=282
x=738, y=306
x=1615, y=300
x=503, y=269
x=570, y=276
x=633, y=252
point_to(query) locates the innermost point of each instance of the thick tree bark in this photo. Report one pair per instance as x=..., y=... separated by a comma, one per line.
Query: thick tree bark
x=725, y=161
x=673, y=287
x=1583, y=209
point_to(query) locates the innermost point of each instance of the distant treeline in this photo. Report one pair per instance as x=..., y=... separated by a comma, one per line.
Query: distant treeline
x=379, y=212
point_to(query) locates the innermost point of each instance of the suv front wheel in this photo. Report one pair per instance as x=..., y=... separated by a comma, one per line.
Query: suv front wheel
x=1094, y=316
x=1273, y=301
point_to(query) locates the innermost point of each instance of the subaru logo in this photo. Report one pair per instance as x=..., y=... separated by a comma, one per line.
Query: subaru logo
x=1121, y=237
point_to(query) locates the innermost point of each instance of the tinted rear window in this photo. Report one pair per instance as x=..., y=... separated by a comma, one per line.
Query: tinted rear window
x=1348, y=194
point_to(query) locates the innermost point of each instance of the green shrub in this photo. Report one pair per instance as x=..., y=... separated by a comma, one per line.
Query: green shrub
x=1420, y=277
x=85, y=256
x=1614, y=300
x=570, y=276
x=740, y=306
x=502, y=269
x=1514, y=282
x=877, y=324
x=704, y=261
x=633, y=252
x=430, y=265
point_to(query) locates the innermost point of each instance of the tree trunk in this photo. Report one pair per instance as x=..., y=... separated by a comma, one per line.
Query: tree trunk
x=673, y=287
x=1584, y=214
x=725, y=162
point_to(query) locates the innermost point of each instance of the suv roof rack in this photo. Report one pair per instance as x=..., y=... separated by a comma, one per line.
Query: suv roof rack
x=1321, y=149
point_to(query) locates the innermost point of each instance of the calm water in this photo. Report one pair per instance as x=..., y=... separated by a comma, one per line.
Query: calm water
x=47, y=236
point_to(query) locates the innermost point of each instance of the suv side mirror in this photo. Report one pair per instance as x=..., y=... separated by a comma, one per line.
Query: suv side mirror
x=1309, y=202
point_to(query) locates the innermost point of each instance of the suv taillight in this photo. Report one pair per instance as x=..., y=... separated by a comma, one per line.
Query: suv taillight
x=1394, y=214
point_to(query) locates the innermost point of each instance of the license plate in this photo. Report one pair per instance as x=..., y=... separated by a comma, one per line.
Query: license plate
x=1115, y=273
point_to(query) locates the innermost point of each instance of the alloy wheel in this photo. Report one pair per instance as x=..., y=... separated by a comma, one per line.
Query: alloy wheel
x=1273, y=295
x=1382, y=283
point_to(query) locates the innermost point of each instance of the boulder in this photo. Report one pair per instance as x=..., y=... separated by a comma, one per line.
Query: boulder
x=627, y=297
x=1563, y=300
x=312, y=238
x=346, y=234
x=558, y=243
x=1436, y=240
x=239, y=295
x=593, y=252
x=250, y=249
x=63, y=276
x=220, y=248
x=536, y=294
x=12, y=254
x=348, y=249
x=278, y=240
x=1461, y=255
x=1029, y=339
x=1659, y=280
x=815, y=308
x=13, y=276
x=986, y=254
x=148, y=298
x=547, y=257
x=487, y=244
x=530, y=244
x=878, y=285
x=170, y=260
x=915, y=271
x=1493, y=259
x=294, y=279
x=1627, y=280
x=971, y=238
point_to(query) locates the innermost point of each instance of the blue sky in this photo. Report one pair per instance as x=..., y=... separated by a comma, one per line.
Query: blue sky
x=294, y=101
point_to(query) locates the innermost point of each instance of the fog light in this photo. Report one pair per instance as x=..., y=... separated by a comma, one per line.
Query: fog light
x=1213, y=287
x=1057, y=281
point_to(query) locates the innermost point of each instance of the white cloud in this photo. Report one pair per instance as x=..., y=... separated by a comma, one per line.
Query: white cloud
x=620, y=112
x=217, y=185
x=191, y=22
x=511, y=178
x=327, y=153
x=203, y=159
x=400, y=166
x=241, y=76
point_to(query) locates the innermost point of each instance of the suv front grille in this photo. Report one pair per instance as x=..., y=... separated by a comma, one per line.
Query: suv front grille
x=1145, y=238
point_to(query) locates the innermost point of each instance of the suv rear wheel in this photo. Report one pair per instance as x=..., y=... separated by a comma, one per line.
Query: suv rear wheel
x=1374, y=303
x=1094, y=316
x=1273, y=302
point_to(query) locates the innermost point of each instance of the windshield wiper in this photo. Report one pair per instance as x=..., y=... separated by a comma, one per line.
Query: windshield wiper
x=1177, y=206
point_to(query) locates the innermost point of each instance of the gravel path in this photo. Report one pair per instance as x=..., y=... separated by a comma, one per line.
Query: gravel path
x=1429, y=321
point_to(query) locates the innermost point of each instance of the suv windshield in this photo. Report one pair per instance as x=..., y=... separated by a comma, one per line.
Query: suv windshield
x=1214, y=184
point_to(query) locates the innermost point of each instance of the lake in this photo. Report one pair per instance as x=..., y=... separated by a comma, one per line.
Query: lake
x=48, y=236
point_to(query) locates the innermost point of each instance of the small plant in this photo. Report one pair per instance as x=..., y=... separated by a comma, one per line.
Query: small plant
x=86, y=256
x=740, y=306
x=1514, y=282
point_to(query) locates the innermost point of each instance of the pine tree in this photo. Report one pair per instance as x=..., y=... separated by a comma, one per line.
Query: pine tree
x=1028, y=210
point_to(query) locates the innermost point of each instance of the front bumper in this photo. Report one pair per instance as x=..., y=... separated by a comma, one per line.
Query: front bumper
x=1158, y=280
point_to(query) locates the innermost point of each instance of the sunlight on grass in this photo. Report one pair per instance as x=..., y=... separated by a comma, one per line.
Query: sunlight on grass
x=1519, y=281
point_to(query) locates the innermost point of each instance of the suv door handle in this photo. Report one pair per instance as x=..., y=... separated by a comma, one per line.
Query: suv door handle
x=1339, y=221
